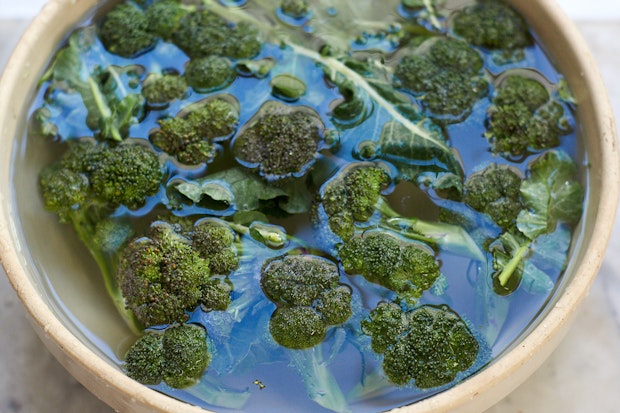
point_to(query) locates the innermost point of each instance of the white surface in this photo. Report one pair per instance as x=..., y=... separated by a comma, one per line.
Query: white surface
x=582, y=376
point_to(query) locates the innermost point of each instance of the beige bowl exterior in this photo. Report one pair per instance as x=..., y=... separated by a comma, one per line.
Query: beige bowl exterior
x=477, y=393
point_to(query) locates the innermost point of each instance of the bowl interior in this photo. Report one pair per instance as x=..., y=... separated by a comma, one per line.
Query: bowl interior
x=60, y=287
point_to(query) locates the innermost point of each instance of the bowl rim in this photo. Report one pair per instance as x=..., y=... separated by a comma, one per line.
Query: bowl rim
x=483, y=389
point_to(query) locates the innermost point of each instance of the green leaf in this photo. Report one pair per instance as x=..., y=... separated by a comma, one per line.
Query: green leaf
x=550, y=194
x=244, y=191
x=111, y=108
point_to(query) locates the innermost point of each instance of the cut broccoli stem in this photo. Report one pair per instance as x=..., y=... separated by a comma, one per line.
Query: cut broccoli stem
x=509, y=269
x=452, y=238
x=320, y=383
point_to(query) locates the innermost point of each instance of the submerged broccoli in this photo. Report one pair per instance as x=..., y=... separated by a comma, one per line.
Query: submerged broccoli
x=405, y=267
x=164, y=17
x=160, y=89
x=309, y=299
x=202, y=33
x=206, y=74
x=190, y=135
x=524, y=117
x=125, y=31
x=294, y=8
x=428, y=345
x=446, y=74
x=171, y=271
x=354, y=196
x=280, y=141
x=495, y=191
x=179, y=356
x=493, y=25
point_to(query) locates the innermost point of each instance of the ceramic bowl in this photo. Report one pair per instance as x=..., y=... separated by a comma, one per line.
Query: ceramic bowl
x=40, y=265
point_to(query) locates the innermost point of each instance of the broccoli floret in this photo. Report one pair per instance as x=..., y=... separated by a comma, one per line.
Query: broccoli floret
x=495, y=191
x=429, y=345
x=404, y=267
x=524, y=117
x=179, y=356
x=125, y=31
x=161, y=89
x=202, y=33
x=354, y=196
x=164, y=17
x=190, y=136
x=309, y=298
x=280, y=141
x=161, y=276
x=446, y=74
x=215, y=240
x=294, y=8
x=206, y=74
x=493, y=25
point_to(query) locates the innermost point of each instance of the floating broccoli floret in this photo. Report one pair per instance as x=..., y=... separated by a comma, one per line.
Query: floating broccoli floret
x=191, y=134
x=403, y=266
x=354, y=196
x=428, y=345
x=167, y=273
x=446, y=74
x=280, y=141
x=309, y=296
x=179, y=356
x=202, y=33
x=524, y=117
x=294, y=8
x=125, y=31
x=164, y=17
x=495, y=191
x=493, y=25
x=161, y=89
x=206, y=74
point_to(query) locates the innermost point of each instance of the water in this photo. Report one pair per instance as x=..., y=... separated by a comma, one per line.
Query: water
x=247, y=365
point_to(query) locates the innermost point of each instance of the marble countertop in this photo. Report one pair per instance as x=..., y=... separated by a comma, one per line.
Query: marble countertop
x=582, y=375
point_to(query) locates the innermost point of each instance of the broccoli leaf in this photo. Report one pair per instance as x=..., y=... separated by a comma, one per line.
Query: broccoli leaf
x=243, y=190
x=111, y=108
x=550, y=194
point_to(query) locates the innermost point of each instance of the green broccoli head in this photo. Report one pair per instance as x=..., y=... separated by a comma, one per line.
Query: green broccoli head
x=280, y=141
x=189, y=136
x=351, y=196
x=125, y=31
x=493, y=25
x=179, y=356
x=202, y=33
x=124, y=175
x=215, y=240
x=206, y=74
x=97, y=175
x=216, y=295
x=161, y=276
x=429, y=345
x=403, y=266
x=164, y=17
x=446, y=74
x=294, y=8
x=495, y=191
x=524, y=117
x=161, y=89
x=309, y=298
